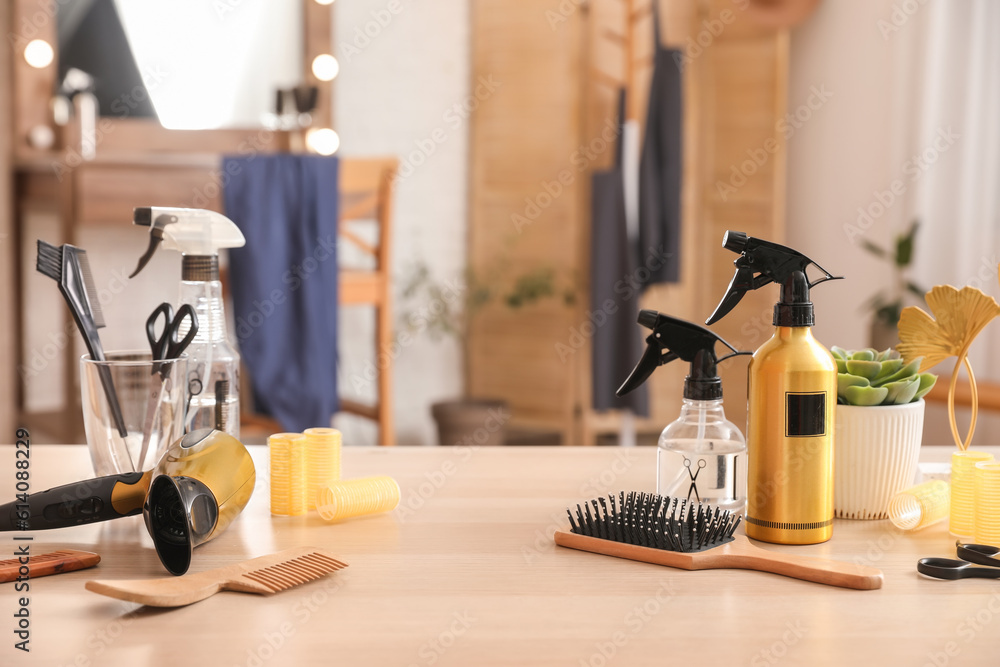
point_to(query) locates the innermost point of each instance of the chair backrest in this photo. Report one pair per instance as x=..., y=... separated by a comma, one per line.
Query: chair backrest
x=366, y=194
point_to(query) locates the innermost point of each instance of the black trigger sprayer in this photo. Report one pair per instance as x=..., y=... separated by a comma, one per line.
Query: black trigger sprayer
x=763, y=262
x=702, y=437
x=792, y=394
x=673, y=338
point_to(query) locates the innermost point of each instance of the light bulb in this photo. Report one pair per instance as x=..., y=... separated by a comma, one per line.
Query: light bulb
x=38, y=53
x=325, y=67
x=323, y=141
x=324, y=2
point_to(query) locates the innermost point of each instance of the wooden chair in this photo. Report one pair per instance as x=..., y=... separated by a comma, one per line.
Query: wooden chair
x=366, y=186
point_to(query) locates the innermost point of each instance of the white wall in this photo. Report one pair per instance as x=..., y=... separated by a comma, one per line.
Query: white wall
x=400, y=74
x=847, y=156
x=843, y=155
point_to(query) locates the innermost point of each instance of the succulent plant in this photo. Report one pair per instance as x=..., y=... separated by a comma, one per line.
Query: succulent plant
x=869, y=377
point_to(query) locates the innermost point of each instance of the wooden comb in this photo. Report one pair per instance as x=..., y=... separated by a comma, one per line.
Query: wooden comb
x=57, y=562
x=264, y=575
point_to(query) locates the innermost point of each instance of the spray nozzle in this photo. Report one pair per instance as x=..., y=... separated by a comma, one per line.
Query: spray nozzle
x=190, y=231
x=673, y=338
x=735, y=241
x=763, y=262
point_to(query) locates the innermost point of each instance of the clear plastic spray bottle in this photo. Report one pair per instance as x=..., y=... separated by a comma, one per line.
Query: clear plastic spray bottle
x=214, y=364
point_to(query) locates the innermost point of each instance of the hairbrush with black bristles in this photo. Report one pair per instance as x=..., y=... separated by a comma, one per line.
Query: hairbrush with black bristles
x=692, y=536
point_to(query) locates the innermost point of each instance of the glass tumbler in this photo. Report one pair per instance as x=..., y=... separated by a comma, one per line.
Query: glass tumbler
x=135, y=379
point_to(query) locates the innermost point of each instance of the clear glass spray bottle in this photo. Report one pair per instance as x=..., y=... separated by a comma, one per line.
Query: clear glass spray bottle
x=701, y=457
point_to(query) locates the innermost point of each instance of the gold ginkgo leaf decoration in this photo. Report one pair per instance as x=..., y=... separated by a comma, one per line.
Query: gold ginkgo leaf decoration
x=959, y=315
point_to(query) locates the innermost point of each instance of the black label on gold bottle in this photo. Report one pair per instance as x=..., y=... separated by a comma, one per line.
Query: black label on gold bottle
x=805, y=414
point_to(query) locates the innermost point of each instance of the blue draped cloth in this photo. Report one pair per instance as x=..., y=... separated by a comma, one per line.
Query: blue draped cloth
x=284, y=282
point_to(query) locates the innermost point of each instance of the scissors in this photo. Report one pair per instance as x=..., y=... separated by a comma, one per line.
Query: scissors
x=947, y=568
x=167, y=345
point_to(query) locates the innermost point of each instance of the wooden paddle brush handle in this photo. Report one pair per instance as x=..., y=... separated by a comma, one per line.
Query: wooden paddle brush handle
x=744, y=555
x=739, y=554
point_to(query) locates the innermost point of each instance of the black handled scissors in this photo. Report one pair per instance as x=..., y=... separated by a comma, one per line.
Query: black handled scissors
x=947, y=568
x=166, y=345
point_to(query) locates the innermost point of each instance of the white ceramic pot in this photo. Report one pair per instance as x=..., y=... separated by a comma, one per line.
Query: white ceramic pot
x=875, y=457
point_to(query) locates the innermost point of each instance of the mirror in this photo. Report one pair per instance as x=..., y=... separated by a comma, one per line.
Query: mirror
x=192, y=64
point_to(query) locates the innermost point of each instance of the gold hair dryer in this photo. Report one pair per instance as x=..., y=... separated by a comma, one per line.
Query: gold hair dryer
x=199, y=486
x=195, y=491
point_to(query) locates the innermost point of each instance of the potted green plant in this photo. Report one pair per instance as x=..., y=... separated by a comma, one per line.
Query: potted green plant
x=445, y=308
x=879, y=424
x=887, y=305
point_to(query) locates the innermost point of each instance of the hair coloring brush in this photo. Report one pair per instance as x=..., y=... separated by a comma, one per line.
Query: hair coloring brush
x=264, y=575
x=668, y=531
x=68, y=266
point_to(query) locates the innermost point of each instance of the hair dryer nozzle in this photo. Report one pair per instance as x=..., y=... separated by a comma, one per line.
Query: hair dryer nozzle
x=181, y=513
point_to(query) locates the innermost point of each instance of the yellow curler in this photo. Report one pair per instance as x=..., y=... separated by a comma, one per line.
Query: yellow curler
x=357, y=497
x=988, y=503
x=322, y=460
x=962, y=521
x=921, y=505
x=288, y=479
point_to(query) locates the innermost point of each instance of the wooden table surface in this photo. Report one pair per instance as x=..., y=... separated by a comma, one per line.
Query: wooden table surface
x=465, y=573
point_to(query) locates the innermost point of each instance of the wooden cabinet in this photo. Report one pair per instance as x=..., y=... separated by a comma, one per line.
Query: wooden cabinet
x=536, y=140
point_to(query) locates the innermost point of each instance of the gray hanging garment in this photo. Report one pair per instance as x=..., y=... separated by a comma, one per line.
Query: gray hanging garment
x=614, y=295
x=660, y=168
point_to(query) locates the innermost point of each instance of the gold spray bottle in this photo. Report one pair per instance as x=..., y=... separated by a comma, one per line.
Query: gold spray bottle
x=792, y=397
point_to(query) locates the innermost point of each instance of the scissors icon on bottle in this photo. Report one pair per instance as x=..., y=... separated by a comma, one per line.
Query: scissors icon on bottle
x=694, y=477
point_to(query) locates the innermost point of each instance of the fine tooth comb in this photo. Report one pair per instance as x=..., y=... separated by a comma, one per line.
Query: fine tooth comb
x=668, y=531
x=264, y=575
x=57, y=562
x=70, y=268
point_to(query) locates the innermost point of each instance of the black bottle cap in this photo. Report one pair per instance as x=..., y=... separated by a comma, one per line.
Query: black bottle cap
x=200, y=268
x=794, y=309
x=703, y=382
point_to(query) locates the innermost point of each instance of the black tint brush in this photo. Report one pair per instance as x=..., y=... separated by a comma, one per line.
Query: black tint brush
x=692, y=536
x=69, y=267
